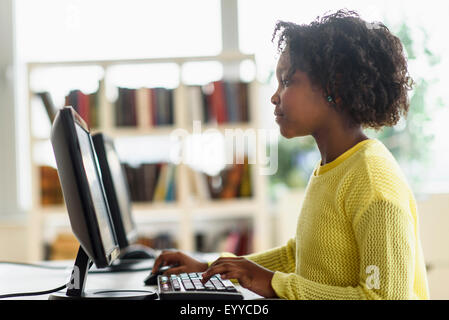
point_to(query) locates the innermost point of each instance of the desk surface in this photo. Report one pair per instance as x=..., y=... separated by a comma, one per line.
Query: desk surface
x=18, y=278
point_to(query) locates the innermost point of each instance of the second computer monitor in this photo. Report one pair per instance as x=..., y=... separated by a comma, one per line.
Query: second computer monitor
x=117, y=191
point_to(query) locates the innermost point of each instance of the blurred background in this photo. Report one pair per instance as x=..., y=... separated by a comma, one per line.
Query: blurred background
x=106, y=58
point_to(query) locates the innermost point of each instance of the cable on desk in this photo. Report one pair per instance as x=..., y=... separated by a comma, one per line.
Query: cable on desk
x=119, y=270
x=43, y=266
x=37, y=293
x=35, y=265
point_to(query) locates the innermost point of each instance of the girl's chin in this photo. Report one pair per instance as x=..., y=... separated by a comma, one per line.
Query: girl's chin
x=285, y=133
x=289, y=133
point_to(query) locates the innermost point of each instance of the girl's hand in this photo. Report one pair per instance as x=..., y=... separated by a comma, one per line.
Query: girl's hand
x=249, y=274
x=184, y=263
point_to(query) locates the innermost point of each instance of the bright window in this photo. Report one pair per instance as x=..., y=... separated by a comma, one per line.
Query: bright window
x=428, y=26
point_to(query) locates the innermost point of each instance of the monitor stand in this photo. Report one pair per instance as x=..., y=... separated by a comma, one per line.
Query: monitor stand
x=75, y=287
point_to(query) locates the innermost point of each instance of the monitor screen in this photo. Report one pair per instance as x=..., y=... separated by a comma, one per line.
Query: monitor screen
x=120, y=186
x=90, y=165
x=82, y=187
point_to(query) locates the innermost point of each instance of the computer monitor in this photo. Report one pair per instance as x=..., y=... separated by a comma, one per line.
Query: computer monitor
x=119, y=199
x=86, y=204
x=116, y=188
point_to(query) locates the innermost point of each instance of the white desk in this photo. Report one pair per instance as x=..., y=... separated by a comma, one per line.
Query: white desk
x=16, y=278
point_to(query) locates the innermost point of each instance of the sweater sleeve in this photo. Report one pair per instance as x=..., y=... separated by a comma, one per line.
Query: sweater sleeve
x=281, y=259
x=385, y=236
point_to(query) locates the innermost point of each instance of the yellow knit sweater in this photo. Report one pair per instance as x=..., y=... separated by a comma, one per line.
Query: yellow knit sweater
x=357, y=235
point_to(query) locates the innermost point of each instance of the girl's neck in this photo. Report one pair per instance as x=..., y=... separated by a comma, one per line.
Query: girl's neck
x=334, y=140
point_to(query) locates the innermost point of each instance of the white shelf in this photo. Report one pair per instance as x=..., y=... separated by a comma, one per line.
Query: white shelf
x=137, y=131
x=226, y=208
x=184, y=213
x=227, y=57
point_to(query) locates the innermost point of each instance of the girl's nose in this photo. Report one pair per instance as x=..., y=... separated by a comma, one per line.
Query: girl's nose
x=275, y=99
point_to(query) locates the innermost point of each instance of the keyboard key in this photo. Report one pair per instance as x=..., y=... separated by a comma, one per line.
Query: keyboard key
x=187, y=284
x=209, y=286
x=198, y=285
x=227, y=283
x=175, y=284
x=218, y=285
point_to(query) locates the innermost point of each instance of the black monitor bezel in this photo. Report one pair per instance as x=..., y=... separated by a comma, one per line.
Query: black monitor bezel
x=77, y=196
x=124, y=238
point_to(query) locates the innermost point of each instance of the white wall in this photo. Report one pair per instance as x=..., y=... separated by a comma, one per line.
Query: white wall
x=434, y=228
x=13, y=228
x=14, y=241
x=8, y=159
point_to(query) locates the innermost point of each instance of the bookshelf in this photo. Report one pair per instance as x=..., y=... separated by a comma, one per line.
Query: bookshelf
x=186, y=211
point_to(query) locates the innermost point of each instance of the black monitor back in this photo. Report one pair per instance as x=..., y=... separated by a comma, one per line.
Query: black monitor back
x=82, y=188
x=117, y=190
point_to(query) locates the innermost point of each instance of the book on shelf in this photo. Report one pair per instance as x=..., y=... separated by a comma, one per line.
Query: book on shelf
x=237, y=240
x=162, y=182
x=150, y=182
x=218, y=102
x=195, y=104
x=86, y=105
x=144, y=107
x=50, y=187
x=199, y=184
x=159, y=241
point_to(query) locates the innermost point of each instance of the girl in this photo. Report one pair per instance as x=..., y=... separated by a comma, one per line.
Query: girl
x=357, y=234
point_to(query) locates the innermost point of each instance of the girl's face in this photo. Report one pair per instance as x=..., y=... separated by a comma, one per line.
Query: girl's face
x=300, y=107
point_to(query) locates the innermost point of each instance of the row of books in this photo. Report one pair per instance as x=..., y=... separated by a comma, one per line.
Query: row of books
x=219, y=102
x=144, y=107
x=86, y=105
x=155, y=182
x=151, y=182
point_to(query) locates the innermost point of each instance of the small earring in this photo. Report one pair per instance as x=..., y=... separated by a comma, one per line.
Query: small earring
x=329, y=98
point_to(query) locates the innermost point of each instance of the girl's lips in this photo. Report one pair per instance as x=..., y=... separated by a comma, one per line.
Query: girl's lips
x=279, y=117
x=278, y=113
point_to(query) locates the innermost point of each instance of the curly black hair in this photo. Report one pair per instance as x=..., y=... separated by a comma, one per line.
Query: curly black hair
x=360, y=65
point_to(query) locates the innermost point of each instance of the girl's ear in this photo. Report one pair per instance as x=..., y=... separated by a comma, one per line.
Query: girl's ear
x=335, y=97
